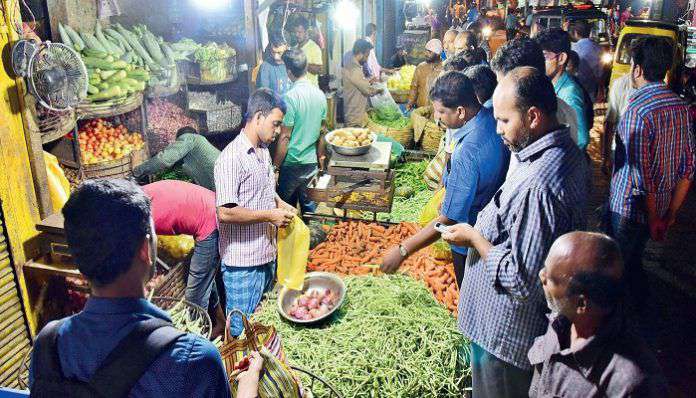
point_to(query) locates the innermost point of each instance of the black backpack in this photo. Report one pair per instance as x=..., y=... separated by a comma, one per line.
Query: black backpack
x=116, y=376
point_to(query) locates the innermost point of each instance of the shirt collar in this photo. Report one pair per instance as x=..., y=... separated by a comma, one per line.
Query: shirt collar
x=113, y=306
x=562, y=81
x=245, y=143
x=470, y=125
x=585, y=355
x=554, y=138
x=488, y=104
x=300, y=81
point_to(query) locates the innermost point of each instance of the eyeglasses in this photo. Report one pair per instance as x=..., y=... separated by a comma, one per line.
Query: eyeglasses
x=549, y=55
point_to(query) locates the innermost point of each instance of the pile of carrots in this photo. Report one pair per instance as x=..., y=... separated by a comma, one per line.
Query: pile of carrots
x=357, y=248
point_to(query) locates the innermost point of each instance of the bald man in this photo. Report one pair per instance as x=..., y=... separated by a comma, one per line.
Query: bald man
x=501, y=300
x=588, y=349
x=448, y=43
x=464, y=41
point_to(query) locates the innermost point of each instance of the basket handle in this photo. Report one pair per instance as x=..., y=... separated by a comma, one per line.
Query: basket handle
x=248, y=330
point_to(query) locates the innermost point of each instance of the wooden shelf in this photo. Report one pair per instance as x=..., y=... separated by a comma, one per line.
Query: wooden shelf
x=40, y=267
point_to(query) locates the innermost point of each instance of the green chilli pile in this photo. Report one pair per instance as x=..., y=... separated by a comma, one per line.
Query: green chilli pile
x=407, y=209
x=408, y=178
x=389, y=339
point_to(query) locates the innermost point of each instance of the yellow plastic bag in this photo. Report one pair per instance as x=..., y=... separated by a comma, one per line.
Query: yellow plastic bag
x=58, y=185
x=178, y=247
x=440, y=249
x=293, y=251
x=432, y=209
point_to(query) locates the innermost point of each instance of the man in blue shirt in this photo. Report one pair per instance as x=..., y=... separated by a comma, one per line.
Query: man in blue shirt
x=272, y=73
x=110, y=232
x=473, y=174
x=590, y=68
x=555, y=44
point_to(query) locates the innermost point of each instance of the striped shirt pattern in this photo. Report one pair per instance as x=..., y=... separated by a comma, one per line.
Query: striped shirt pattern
x=654, y=150
x=502, y=306
x=244, y=177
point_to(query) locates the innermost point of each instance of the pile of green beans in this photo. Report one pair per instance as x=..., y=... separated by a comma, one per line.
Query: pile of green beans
x=410, y=174
x=389, y=339
x=407, y=209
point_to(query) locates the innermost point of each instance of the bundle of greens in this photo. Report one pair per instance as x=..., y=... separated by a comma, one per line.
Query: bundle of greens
x=390, y=116
x=389, y=339
x=213, y=58
x=175, y=173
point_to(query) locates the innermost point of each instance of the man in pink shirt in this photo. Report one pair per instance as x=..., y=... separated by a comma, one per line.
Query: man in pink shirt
x=182, y=208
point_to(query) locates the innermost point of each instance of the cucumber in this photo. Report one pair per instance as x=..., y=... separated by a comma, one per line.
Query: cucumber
x=105, y=75
x=92, y=42
x=117, y=76
x=150, y=43
x=92, y=90
x=93, y=62
x=89, y=52
x=77, y=41
x=110, y=47
x=137, y=47
x=94, y=81
x=139, y=74
x=103, y=86
x=112, y=92
x=64, y=37
x=118, y=37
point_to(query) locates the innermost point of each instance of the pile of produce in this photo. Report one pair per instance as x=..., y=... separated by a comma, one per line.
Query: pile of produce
x=390, y=116
x=312, y=304
x=121, y=61
x=409, y=178
x=389, y=339
x=213, y=60
x=183, y=320
x=357, y=248
x=101, y=141
x=351, y=138
x=402, y=81
x=407, y=209
x=164, y=119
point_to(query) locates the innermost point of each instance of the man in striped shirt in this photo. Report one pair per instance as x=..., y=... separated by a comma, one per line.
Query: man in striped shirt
x=502, y=305
x=248, y=209
x=653, y=161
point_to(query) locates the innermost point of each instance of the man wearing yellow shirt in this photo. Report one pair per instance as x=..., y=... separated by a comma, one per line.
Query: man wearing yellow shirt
x=311, y=49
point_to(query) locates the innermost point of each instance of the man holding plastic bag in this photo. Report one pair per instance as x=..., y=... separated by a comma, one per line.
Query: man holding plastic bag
x=474, y=173
x=357, y=88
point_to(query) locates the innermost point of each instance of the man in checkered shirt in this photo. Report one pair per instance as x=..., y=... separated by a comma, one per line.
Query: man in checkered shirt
x=248, y=208
x=502, y=306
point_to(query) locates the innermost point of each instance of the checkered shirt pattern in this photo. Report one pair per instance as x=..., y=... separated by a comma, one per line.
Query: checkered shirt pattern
x=502, y=306
x=654, y=150
x=244, y=177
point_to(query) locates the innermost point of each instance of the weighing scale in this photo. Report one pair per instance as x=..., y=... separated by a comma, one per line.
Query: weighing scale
x=362, y=182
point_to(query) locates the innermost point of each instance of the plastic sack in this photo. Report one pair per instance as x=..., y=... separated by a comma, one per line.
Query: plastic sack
x=383, y=99
x=58, y=185
x=176, y=247
x=432, y=208
x=293, y=251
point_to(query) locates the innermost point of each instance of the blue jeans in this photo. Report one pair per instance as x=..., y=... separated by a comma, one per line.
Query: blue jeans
x=201, y=288
x=632, y=237
x=292, y=185
x=244, y=287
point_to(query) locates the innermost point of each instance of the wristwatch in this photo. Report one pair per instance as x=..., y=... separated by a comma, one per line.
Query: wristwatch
x=403, y=251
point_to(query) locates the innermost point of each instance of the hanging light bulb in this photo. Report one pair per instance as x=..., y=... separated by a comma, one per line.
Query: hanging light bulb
x=346, y=15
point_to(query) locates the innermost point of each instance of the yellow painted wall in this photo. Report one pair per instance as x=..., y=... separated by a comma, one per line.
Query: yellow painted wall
x=17, y=192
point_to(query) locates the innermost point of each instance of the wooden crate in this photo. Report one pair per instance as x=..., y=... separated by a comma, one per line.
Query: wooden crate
x=374, y=196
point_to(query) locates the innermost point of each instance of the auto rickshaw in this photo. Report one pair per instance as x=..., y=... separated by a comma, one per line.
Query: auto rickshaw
x=635, y=29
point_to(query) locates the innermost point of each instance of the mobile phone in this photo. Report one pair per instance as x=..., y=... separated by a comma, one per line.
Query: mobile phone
x=441, y=228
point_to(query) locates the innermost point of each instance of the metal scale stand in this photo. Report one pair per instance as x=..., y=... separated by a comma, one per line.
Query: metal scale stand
x=363, y=182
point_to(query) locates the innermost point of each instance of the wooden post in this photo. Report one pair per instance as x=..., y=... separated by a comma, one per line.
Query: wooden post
x=252, y=52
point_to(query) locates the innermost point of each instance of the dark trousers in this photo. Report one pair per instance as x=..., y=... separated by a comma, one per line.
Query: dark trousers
x=292, y=185
x=459, y=261
x=632, y=237
x=494, y=378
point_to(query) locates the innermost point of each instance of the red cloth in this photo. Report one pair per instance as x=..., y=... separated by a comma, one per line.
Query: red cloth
x=182, y=208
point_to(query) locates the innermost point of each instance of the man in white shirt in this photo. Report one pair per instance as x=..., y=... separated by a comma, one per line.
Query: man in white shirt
x=619, y=93
x=373, y=65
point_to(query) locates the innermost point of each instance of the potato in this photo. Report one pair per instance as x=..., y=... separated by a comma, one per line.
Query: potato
x=365, y=142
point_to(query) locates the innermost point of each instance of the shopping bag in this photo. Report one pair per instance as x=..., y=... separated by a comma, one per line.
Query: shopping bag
x=277, y=379
x=439, y=250
x=384, y=99
x=58, y=185
x=433, y=173
x=432, y=208
x=293, y=251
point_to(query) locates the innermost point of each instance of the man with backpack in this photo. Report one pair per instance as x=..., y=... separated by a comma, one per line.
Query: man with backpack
x=120, y=344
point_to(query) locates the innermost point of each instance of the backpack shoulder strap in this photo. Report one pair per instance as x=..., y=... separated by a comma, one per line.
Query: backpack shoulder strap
x=47, y=365
x=131, y=358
